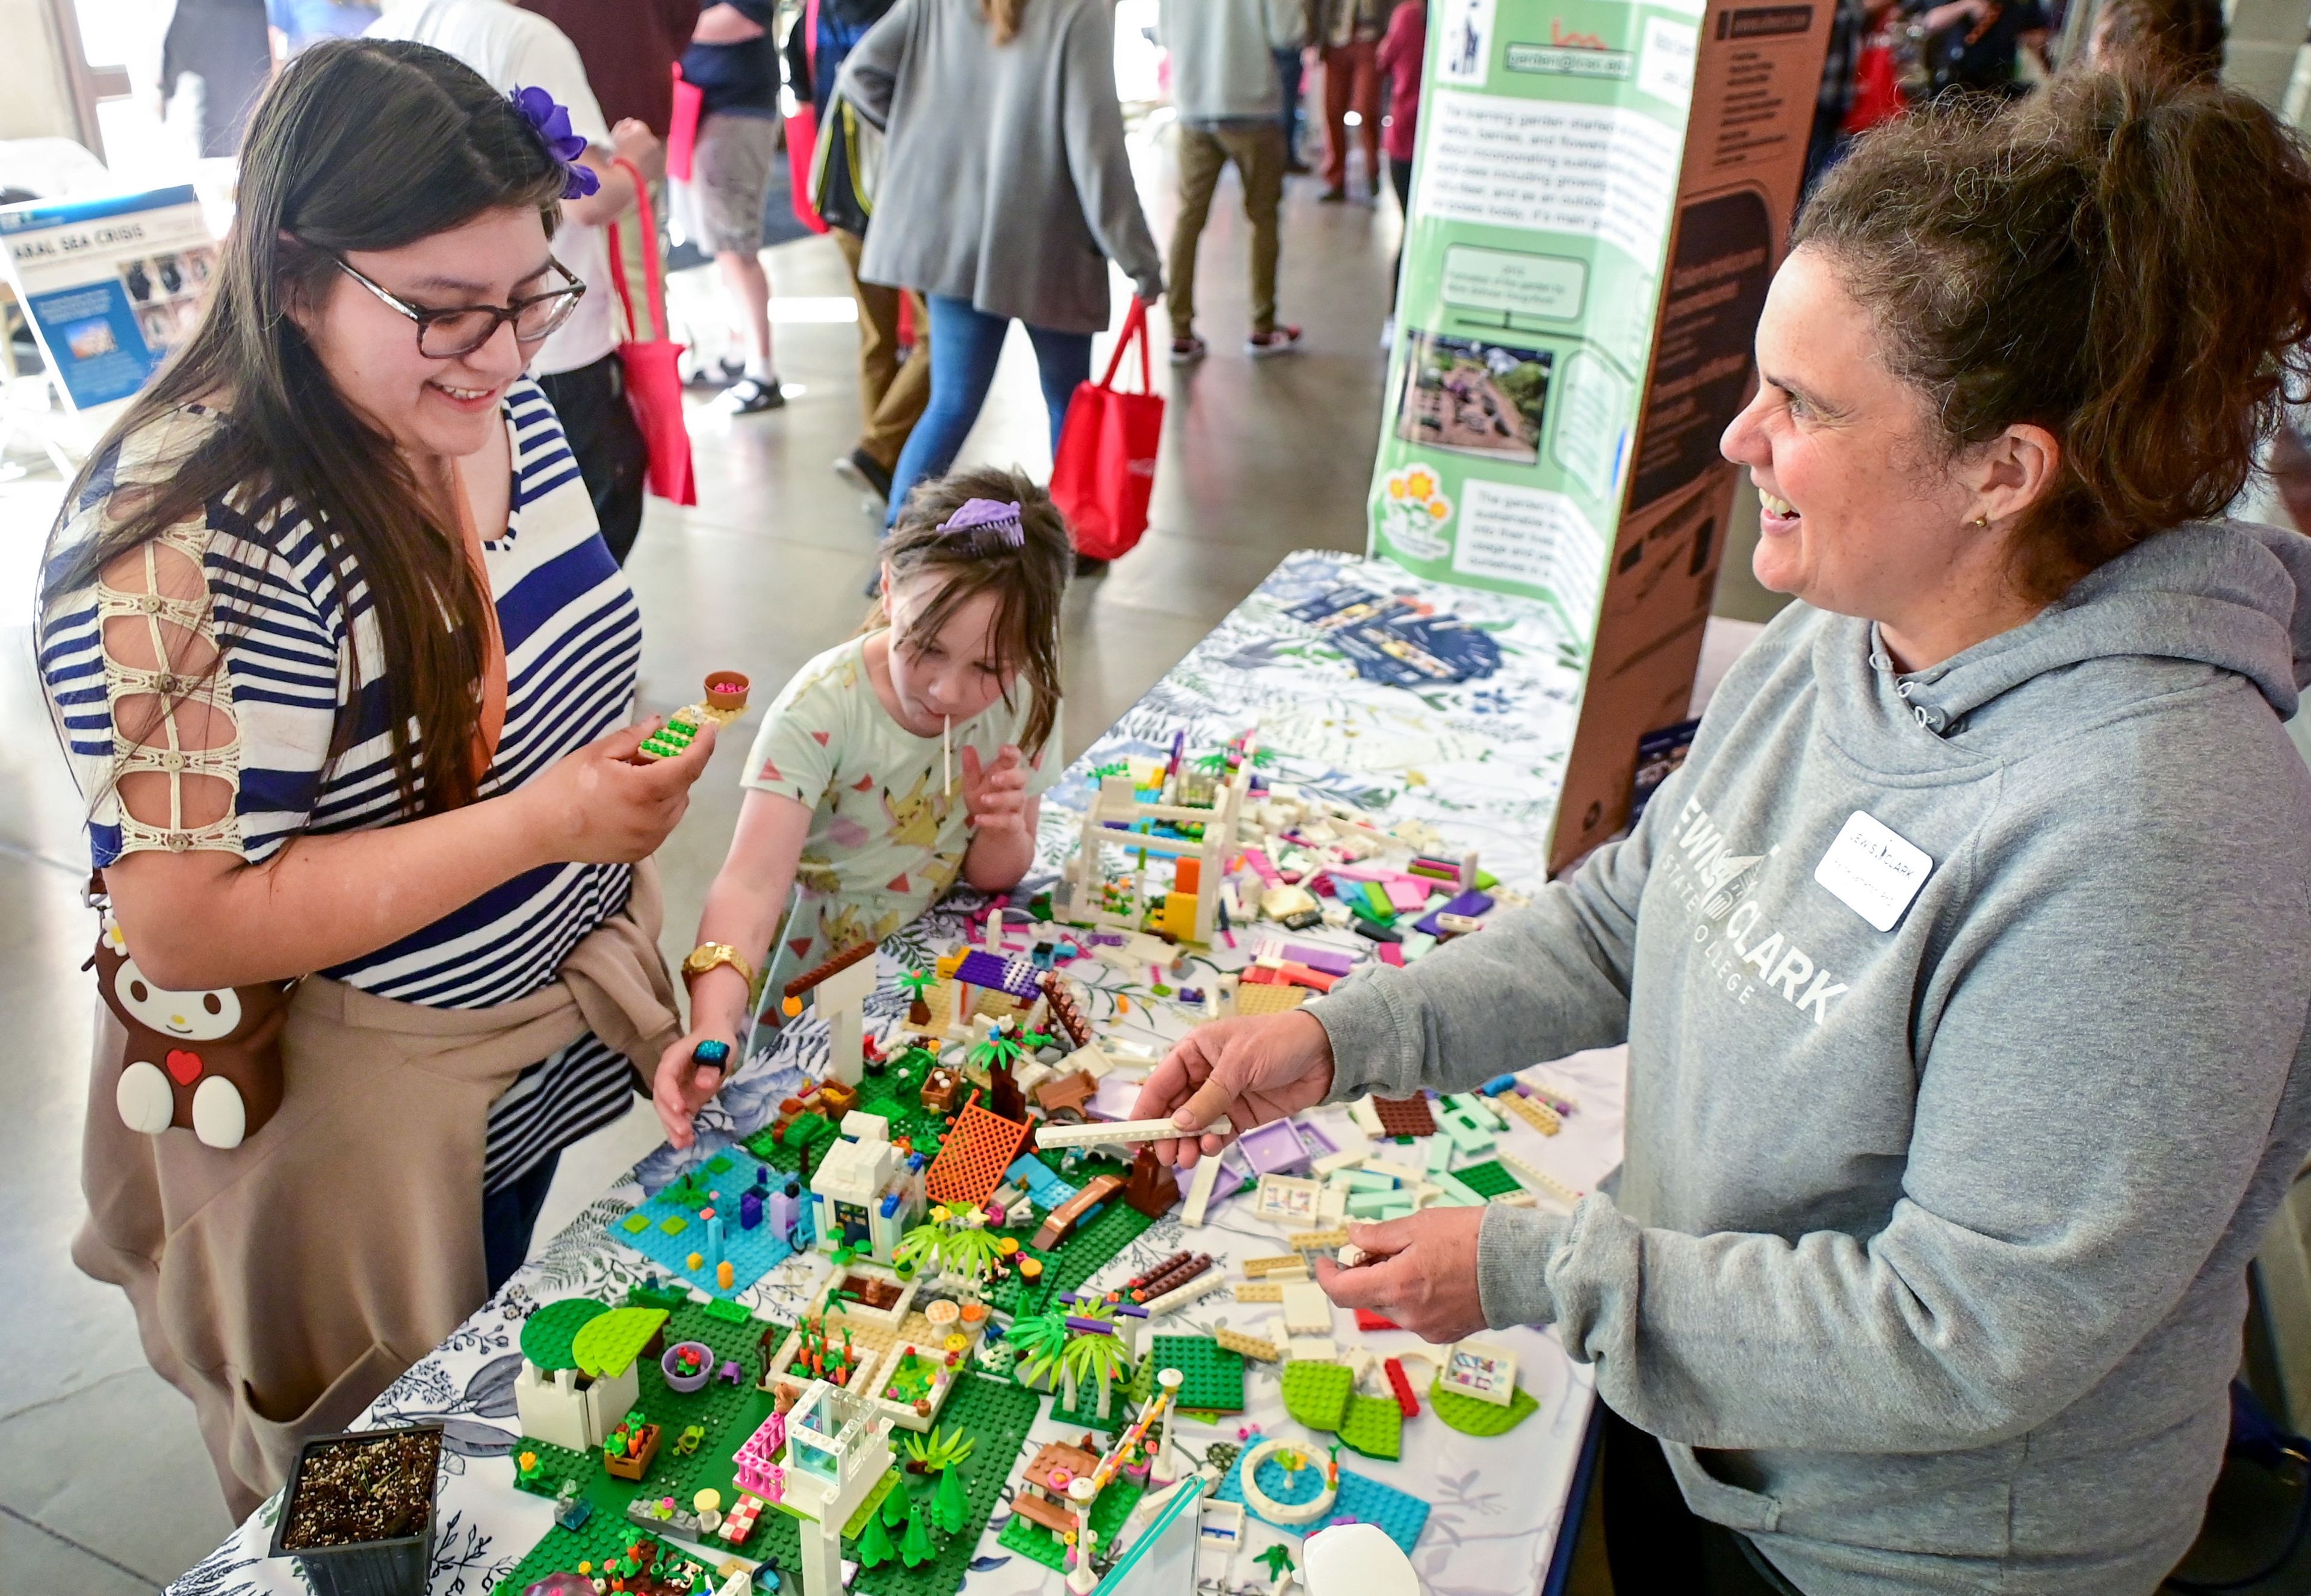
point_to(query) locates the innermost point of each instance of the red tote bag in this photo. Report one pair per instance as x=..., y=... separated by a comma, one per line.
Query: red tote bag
x=682, y=126
x=802, y=130
x=653, y=365
x=1105, y=470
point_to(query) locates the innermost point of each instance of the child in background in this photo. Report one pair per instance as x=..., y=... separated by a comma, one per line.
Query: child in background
x=891, y=764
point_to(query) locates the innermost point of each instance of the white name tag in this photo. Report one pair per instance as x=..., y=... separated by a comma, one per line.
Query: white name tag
x=1873, y=870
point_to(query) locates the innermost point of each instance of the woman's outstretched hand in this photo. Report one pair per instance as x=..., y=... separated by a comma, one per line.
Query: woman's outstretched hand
x=1253, y=1068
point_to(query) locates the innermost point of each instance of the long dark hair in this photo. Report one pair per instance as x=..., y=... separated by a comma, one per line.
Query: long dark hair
x=361, y=144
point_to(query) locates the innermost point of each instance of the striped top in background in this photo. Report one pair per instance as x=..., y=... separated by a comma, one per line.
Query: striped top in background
x=572, y=639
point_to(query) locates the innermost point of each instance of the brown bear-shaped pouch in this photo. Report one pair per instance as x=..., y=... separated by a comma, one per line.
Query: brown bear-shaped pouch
x=209, y=1061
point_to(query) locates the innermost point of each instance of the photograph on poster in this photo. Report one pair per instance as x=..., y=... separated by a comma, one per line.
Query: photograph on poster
x=1464, y=51
x=1474, y=397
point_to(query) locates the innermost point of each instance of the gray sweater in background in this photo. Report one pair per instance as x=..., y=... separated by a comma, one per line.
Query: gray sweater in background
x=1005, y=181
x=1928, y=1258
x=1223, y=55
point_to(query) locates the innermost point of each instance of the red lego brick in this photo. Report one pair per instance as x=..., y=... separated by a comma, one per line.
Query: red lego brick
x=1408, y=1404
x=1366, y=1319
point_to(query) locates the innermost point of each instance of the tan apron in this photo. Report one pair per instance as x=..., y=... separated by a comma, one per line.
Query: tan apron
x=283, y=1284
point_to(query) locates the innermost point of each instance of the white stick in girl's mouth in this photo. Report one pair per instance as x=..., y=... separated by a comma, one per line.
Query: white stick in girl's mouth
x=947, y=752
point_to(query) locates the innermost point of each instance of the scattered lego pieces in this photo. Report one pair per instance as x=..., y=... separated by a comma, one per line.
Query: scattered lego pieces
x=1372, y=1425
x=1244, y=1346
x=1212, y=1373
x=1401, y=1384
x=1404, y=1116
x=1366, y=1319
x=1471, y=1416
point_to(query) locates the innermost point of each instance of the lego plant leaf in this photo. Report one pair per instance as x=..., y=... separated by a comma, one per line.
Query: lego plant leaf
x=547, y=1334
x=608, y=1343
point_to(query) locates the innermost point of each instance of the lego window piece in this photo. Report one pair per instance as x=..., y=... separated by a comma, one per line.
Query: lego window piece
x=1479, y=1369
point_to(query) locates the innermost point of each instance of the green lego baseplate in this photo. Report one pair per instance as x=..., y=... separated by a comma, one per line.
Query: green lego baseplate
x=1211, y=1376
x=1374, y=1427
x=1033, y=1542
x=1489, y=1179
x=603, y=1535
x=1473, y=1416
x=995, y=1413
x=1317, y=1393
x=728, y=1414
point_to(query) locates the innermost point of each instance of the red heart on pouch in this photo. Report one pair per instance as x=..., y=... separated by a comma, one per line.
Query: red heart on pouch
x=184, y=1066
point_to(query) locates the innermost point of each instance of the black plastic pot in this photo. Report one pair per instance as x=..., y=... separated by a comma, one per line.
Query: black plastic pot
x=395, y=1567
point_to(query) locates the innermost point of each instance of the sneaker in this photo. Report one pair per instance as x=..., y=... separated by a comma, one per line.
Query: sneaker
x=1332, y=196
x=1282, y=340
x=1187, y=350
x=751, y=396
x=864, y=471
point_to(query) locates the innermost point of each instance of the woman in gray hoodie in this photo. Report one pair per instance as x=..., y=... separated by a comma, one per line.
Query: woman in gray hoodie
x=1965, y=965
x=1005, y=190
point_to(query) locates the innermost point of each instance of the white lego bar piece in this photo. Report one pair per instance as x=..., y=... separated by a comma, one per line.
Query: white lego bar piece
x=1094, y=1132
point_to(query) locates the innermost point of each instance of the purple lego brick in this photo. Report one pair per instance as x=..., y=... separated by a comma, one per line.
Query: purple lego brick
x=1274, y=1148
x=1014, y=977
x=1312, y=1137
x=1234, y=1163
x=1468, y=902
x=1332, y=961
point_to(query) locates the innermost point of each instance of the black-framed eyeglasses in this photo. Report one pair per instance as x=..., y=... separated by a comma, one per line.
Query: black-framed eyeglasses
x=460, y=329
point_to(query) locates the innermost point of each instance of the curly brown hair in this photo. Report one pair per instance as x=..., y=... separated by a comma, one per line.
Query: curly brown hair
x=1028, y=582
x=2124, y=261
x=2182, y=37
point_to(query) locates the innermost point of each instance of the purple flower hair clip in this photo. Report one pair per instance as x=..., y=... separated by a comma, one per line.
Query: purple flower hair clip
x=551, y=121
x=989, y=524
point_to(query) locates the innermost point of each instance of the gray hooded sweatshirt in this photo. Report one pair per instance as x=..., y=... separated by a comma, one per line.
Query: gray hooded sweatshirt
x=1927, y=1261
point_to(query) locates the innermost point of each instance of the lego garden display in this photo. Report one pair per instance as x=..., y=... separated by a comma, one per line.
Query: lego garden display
x=942, y=1456
x=358, y=1512
x=688, y=1365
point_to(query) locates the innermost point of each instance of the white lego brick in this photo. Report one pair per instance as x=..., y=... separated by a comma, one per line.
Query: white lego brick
x=1180, y=1296
x=1307, y=1311
x=1115, y=1131
x=1319, y=1349
x=1334, y=1163
x=1404, y=1172
x=1200, y=1187
x=1365, y=1115
x=1332, y=1206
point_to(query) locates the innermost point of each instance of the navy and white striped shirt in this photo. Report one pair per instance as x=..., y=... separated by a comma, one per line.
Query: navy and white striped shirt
x=572, y=639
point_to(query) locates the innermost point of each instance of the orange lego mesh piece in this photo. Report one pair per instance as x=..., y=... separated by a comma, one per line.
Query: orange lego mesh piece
x=971, y=1160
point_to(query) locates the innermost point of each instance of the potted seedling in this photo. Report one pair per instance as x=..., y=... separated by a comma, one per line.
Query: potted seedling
x=687, y=1366
x=358, y=1512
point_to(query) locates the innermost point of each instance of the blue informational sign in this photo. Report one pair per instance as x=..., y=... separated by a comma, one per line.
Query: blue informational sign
x=110, y=285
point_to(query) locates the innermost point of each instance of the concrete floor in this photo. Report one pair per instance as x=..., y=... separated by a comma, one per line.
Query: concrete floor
x=104, y=1486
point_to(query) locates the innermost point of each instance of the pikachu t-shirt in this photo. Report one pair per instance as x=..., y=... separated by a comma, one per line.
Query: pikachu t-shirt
x=887, y=837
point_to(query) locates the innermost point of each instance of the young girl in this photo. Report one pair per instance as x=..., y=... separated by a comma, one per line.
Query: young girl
x=891, y=764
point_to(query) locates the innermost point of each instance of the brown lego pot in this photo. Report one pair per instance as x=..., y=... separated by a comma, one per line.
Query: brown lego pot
x=377, y=1485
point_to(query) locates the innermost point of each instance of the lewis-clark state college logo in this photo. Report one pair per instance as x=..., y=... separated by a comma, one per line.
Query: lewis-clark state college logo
x=1738, y=950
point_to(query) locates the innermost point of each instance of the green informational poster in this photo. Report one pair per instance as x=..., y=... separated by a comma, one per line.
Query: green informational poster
x=1600, y=194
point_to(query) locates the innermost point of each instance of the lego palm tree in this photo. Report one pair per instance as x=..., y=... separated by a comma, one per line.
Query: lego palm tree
x=1093, y=1354
x=1040, y=1338
x=1278, y=1561
x=942, y=1455
x=919, y=984
x=954, y=1243
x=997, y=1054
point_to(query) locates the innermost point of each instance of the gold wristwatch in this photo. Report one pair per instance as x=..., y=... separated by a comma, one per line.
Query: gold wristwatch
x=707, y=954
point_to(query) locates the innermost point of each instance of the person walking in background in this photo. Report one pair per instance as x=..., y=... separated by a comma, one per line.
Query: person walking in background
x=296, y=23
x=1006, y=190
x=731, y=58
x=577, y=363
x=1291, y=77
x=893, y=385
x=215, y=59
x=629, y=48
x=1351, y=37
x=1224, y=89
x=1399, y=60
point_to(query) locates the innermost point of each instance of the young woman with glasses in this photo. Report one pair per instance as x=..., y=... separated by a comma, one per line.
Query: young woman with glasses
x=342, y=667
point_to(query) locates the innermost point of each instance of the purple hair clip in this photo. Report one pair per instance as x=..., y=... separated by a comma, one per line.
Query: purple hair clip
x=551, y=120
x=989, y=523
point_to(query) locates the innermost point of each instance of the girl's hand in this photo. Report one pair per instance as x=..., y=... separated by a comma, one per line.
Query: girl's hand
x=684, y=1085
x=595, y=807
x=1425, y=1277
x=995, y=800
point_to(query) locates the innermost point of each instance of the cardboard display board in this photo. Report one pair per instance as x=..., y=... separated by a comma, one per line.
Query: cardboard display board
x=1601, y=193
x=110, y=285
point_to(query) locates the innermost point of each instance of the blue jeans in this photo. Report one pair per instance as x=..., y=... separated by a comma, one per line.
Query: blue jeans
x=1288, y=70
x=509, y=1216
x=965, y=344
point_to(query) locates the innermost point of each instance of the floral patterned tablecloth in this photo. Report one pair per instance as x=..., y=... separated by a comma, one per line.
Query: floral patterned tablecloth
x=1480, y=759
